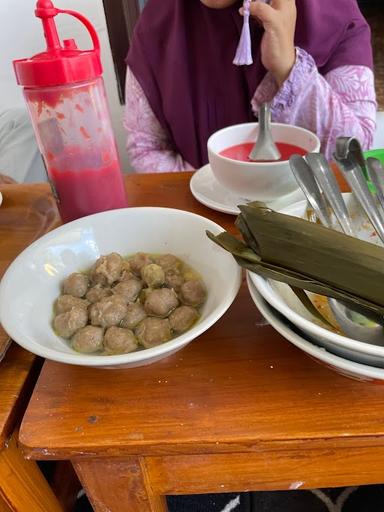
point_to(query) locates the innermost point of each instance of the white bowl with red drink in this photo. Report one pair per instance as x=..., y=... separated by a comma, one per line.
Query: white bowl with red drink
x=228, y=151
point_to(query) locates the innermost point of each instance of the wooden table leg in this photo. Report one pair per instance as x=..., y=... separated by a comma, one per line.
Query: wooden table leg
x=22, y=485
x=118, y=485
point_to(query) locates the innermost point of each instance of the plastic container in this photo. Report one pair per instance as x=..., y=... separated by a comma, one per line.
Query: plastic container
x=375, y=153
x=66, y=99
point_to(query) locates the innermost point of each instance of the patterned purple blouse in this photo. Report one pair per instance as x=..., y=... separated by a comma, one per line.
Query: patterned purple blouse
x=343, y=102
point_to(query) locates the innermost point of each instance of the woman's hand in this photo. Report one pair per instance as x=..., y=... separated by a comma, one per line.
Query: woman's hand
x=277, y=46
x=6, y=180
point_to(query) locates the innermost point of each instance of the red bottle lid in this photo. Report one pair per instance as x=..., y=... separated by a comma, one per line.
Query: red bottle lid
x=63, y=63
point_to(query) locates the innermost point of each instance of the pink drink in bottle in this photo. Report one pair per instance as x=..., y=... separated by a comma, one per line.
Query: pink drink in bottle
x=66, y=99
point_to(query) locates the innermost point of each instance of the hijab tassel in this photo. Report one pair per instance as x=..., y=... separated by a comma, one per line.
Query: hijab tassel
x=243, y=55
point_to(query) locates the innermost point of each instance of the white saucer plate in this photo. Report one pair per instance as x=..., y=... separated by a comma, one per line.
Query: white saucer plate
x=208, y=191
x=343, y=366
x=1, y=198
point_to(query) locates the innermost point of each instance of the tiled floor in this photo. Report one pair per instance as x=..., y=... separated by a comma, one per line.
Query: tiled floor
x=345, y=499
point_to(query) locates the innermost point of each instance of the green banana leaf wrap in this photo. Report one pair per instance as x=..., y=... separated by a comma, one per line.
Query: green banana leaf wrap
x=307, y=256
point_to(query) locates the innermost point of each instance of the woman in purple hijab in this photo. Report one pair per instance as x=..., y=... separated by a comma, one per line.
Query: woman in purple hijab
x=311, y=59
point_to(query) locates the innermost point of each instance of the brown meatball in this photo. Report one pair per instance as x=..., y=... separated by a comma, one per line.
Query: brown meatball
x=182, y=318
x=109, y=311
x=76, y=284
x=145, y=292
x=98, y=292
x=119, y=341
x=65, y=303
x=88, y=339
x=153, y=275
x=66, y=324
x=168, y=261
x=193, y=293
x=161, y=302
x=129, y=290
x=107, y=269
x=126, y=272
x=174, y=279
x=135, y=314
x=153, y=331
x=138, y=261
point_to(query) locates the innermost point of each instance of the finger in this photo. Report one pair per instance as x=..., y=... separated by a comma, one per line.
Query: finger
x=281, y=4
x=264, y=12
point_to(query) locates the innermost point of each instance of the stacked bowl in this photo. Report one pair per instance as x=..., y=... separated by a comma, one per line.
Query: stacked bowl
x=329, y=345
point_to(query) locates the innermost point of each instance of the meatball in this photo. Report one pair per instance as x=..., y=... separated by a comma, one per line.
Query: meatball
x=129, y=290
x=76, y=284
x=153, y=331
x=108, y=311
x=126, y=272
x=174, y=279
x=161, y=302
x=98, y=292
x=193, y=293
x=135, y=314
x=119, y=341
x=182, y=318
x=168, y=261
x=66, y=324
x=107, y=269
x=153, y=275
x=138, y=261
x=88, y=339
x=65, y=303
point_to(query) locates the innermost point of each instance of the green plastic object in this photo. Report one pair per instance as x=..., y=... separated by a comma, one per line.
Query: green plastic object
x=375, y=153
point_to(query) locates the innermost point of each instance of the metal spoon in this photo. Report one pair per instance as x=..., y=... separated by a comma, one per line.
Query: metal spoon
x=328, y=184
x=309, y=186
x=346, y=317
x=352, y=172
x=357, y=324
x=264, y=148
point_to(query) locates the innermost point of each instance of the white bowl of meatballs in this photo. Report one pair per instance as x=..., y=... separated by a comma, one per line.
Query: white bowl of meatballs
x=121, y=288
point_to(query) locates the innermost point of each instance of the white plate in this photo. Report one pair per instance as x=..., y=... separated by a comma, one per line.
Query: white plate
x=1, y=198
x=208, y=191
x=291, y=333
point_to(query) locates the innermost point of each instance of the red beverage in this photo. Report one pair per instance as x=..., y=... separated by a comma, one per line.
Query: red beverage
x=66, y=98
x=241, y=151
x=86, y=191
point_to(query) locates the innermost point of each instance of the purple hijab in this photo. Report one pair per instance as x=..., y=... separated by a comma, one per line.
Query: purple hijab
x=182, y=53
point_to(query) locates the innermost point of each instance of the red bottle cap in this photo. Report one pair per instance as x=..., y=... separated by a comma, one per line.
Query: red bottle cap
x=59, y=64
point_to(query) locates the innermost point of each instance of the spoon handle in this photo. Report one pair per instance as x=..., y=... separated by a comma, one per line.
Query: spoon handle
x=327, y=182
x=355, y=178
x=309, y=186
x=350, y=147
x=264, y=148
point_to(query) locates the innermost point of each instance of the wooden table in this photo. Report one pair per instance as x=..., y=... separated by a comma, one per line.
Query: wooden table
x=238, y=409
x=25, y=215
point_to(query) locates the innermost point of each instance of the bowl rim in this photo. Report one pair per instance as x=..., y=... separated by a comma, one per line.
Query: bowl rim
x=264, y=287
x=131, y=357
x=319, y=353
x=257, y=164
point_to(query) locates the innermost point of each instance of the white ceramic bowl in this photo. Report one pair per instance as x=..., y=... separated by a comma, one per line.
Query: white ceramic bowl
x=281, y=297
x=263, y=181
x=291, y=333
x=32, y=282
